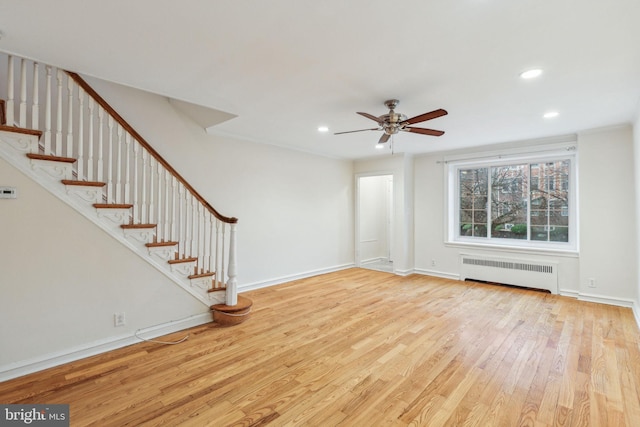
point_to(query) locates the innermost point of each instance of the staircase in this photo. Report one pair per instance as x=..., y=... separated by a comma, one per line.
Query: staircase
x=57, y=130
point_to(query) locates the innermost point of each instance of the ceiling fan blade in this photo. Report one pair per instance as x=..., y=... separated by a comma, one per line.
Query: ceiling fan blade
x=352, y=131
x=424, y=117
x=369, y=116
x=384, y=138
x=424, y=131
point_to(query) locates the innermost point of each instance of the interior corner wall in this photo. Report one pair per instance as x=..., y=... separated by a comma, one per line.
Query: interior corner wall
x=636, y=168
x=607, y=213
x=294, y=209
x=63, y=279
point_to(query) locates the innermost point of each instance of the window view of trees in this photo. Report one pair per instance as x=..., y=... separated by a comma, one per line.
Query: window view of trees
x=520, y=201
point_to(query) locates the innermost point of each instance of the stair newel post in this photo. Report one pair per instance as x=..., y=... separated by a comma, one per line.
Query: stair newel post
x=81, y=158
x=100, y=170
x=22, y=118
x=35, y=107
x=91, y=139
x=109, y=159
x=232, y=283
x=47, y=112
x=59, y=113
x=222, y=253
x=70, y=118
x=10, y=91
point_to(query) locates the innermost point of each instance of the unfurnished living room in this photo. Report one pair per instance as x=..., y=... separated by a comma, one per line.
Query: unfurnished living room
x=294, y=213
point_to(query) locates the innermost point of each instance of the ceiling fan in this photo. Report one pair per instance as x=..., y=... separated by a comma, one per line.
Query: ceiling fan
x=392, y=122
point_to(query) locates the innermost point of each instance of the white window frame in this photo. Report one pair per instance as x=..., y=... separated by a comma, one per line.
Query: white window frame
x=538, y=154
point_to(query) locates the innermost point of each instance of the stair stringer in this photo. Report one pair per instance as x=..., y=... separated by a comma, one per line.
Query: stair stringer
x=14, y=147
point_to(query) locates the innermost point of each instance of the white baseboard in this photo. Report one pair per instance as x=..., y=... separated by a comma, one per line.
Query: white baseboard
x=622, y=302
x=284, y=279
x=24, y=367
x=436, y=273
x=636, y=313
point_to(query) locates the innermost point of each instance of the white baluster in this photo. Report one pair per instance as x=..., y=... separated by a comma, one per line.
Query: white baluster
x=218, y=267
x=136, y=180
x=81, y=160
x=91, y=135
x=152, y=162
x=10, y=89
x=207, y=242
x=127, y=169
x=109, y=160
x=194, y=226
x=199, y=236
x=69, y=117
x=100, y=162
x=22, y=118
x=118, y=165
x=59, y=115
x=35, y=107
x=182, y=235
x=232, y=283
x=174, y=200
x=167, y=204
x=47, y=112
x=159, y=206
x=143, y=204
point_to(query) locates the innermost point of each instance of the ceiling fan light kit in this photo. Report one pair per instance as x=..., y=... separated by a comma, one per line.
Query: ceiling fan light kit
x=392, y=122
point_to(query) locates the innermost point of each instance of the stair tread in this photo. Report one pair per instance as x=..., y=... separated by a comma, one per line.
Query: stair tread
x=160, y=244
x=83, y=183
x=20, y=130
x=197, y=276
x=128, y=226
x=178, y=261
x=50, y=158
x=112, y=206
x=224, y=288
x=243, y=304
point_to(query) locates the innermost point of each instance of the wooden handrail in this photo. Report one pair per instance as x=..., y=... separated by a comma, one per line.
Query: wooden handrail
x=126, y=126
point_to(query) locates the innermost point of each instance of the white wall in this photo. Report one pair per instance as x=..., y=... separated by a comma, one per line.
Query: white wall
x=295, y=210
x=636, y=168
x=62, y=279
x=607, y=213
x=607, y=237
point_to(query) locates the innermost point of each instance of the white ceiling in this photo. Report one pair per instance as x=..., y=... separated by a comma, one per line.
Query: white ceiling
x=285, y=67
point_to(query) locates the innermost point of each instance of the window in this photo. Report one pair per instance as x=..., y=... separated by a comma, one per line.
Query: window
x=528, y=201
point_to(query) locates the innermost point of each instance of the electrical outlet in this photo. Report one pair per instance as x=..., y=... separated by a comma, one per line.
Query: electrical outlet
x=119, y=319
x=592, y=283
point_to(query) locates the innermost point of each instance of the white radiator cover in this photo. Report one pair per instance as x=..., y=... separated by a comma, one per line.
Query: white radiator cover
x=510, y=271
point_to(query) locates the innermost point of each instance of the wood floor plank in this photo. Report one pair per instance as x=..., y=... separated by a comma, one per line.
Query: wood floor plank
x=360, y=347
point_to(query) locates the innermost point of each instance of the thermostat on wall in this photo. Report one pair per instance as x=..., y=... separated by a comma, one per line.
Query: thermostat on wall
x=8, y=192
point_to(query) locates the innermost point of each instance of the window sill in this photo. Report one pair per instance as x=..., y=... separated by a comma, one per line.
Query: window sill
x=568, y=253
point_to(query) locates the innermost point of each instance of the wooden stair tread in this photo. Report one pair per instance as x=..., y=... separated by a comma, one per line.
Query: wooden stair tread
x=112, y=206
x=178, y=261
x=20, y=130
x=224, y=288
x=160, y=244
x=133, y=226
x=83, y=183
x=51, y=158
x=243, y=304
x=197, y=276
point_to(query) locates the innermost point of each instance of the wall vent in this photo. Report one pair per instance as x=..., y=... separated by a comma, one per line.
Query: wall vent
x=518, y=272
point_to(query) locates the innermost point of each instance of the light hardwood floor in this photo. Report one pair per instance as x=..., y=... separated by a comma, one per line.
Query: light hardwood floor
x=367, y=348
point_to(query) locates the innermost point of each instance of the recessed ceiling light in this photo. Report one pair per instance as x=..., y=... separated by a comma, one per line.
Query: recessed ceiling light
x=550, y=114
x=531, y=74
x=379, y=146
x=323, y=129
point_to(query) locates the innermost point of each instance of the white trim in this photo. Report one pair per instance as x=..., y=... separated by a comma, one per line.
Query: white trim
x=569, y=293
x=29, y=366
x=601, y=299
x=636, y=313
x=435, y=273
x=284, y=279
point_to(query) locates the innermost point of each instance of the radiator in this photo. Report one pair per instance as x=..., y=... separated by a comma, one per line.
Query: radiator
x=510, y=271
